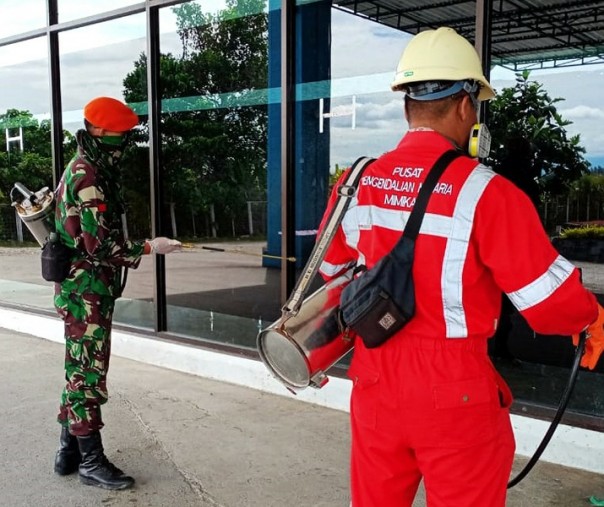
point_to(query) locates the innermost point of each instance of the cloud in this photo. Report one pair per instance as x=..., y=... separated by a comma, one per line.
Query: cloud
x=78, y=85
x=27, y=51
x=582, y=113
x=346, y=145
x=393, y=108
x=20, y=16
x=25, y=87
x=362, y=47
x=380, y=125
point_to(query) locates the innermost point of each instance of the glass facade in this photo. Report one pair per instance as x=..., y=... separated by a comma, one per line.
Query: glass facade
x=214, y=75
x=209, y=168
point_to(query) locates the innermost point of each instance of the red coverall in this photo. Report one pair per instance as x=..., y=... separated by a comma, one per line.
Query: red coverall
x=429, y=403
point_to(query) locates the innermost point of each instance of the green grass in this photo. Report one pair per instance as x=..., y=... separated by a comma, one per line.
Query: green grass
x=17, y=244
x=590, y=232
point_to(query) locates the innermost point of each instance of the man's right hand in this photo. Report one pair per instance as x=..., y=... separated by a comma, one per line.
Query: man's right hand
x=162, y=246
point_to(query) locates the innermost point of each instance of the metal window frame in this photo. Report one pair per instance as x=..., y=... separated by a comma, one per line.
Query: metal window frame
x=160, y=311
x=288, y=157
x=483, y=30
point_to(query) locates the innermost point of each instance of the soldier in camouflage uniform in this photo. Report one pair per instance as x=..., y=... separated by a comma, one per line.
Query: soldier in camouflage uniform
x=88, y=219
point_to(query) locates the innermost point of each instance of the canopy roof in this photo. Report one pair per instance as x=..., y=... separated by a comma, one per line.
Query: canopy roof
x=525, y=33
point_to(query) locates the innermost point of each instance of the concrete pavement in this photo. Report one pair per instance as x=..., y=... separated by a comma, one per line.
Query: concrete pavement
x=190, y=441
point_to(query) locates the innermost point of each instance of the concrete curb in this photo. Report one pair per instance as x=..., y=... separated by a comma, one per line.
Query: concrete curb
x=570, y=446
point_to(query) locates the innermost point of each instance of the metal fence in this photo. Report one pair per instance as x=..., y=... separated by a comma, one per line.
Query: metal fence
x=214, y=224
x=555, y=213
x=11, y=227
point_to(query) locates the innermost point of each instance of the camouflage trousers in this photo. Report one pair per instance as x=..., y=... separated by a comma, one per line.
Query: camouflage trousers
x=87, y=319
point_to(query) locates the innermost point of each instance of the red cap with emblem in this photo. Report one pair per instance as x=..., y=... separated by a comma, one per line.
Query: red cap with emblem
x=110, y=114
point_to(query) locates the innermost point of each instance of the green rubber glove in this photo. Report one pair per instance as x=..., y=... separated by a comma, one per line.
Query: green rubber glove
x=595, y=501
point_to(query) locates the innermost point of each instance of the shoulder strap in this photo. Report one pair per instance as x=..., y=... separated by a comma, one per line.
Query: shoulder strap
x=417, y=213
x=346, y=191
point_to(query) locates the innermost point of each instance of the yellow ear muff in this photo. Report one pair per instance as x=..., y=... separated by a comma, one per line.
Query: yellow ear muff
x=474, y=140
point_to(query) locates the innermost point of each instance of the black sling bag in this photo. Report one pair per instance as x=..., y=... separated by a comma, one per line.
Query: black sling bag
x=381, y=300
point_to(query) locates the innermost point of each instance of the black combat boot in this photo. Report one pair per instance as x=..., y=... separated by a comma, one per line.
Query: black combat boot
x=96, y=469
x=68, y=456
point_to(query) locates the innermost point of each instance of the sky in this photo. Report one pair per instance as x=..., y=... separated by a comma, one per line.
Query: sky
x=364, y=56
x=379, y=115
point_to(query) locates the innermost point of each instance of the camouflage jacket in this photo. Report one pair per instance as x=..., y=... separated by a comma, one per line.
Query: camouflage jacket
x=89, y=205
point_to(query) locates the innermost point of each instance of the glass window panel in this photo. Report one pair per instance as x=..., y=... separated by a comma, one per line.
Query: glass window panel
x=74, y=9
x=96, y=61
x=19, y=16
x=578, y=202
x=215, y=137
x=25, y=157
x=364, y=57
x=344, y=106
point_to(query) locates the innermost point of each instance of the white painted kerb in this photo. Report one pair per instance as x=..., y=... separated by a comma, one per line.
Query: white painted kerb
x=570, y=446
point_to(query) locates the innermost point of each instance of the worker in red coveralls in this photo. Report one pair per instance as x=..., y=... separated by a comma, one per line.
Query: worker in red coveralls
x=428, y=403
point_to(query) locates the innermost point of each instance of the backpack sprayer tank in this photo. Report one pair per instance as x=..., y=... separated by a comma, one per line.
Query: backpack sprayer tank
x=36, y=210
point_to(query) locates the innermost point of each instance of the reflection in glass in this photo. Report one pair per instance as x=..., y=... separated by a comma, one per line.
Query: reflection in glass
x=214, y=157
x=111, y=53
x=25, y=157
x=364, y=57
x=24, y=76
x=95, y=60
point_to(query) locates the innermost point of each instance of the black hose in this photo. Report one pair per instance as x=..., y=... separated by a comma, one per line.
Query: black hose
x=559, y=413
x=124, y=280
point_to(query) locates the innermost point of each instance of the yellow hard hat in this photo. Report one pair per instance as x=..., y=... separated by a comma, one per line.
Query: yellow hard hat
x=440, y=55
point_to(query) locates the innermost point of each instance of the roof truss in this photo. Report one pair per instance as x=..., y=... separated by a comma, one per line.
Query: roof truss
x=525, y=34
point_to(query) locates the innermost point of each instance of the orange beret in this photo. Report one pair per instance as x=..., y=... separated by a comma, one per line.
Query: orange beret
x=110, y=114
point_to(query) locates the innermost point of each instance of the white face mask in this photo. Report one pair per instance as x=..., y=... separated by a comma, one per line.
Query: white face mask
x=479, y=144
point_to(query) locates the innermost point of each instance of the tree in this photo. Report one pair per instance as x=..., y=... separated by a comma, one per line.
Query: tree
x=214, y=129
x=33, y=165
x=588, y=193
x=527, y=111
